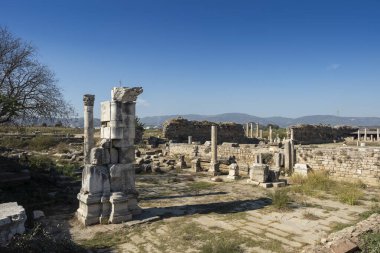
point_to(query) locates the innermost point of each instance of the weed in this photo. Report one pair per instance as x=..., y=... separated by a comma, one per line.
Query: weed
x=310, y=216
x=221, y=246
x=280, y=199
x=370, y=243
x=42, y=142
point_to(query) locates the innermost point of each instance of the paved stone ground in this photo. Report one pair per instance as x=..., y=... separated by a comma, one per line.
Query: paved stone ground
x=196, y=214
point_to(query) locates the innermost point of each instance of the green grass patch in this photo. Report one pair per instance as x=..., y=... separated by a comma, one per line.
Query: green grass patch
x=280, y=199
x=199, y=186
x=318, y=184
x=370, y=243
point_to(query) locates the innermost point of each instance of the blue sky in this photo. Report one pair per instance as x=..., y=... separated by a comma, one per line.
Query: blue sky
x=265, y=58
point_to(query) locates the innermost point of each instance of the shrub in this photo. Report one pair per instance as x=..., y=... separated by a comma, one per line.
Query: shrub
x=40, y=163
x=11, y=142
x=42, y=142
x=370, y=243
x=280, y=199
x=62, y=148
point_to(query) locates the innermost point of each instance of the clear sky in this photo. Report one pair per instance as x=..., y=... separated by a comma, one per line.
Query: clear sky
x=265, y=58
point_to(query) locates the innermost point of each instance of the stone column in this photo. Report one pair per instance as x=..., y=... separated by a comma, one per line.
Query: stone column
x=270, y=134
x=190, y=140
x=377, y=134
x=261, y=133
x=291, y=133
x=287, y=155
x=358, y=134
x=251, y=133
x=365, y=134
x=214, y=165
x=247, y=129
x=257, y=130
x=88, y=102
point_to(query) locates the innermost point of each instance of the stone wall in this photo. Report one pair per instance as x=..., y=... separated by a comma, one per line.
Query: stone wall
x=317, y=134
x=245, y=154
x=345, y=163
x=179, y=129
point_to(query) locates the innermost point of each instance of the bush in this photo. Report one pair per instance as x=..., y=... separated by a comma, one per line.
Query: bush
x=280, y=199
x=370, y=243
x=42, y=142
x=12, y=142
x=40, y=163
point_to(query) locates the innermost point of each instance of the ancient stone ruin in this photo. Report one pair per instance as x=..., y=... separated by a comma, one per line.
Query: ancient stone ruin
x=108, y=193
x=180, y=129
x=317, y=134
x=12, y=220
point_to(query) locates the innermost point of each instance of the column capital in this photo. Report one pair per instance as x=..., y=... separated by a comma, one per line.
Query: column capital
x=88, y=99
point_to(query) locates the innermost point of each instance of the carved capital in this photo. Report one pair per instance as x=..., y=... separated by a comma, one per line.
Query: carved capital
x=125, y=94
x=88, y=100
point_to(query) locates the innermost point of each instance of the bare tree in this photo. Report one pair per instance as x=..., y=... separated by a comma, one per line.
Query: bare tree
x=27, y=88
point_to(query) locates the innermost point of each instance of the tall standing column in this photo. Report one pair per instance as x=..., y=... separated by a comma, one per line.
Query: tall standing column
x=291, y=133
x=88, y=102
x=214, y=165
x=358, y=134
x=365, y=134
x=270, y=134
x=257, y=130
x=247, y=129
x=377, y=134
x=251, y=133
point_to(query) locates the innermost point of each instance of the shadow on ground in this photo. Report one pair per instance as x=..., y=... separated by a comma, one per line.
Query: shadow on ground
x=218, y=207
x=184, y=196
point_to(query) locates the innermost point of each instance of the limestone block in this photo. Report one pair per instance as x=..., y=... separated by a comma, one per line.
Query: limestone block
x=117, y=133
x=259, y=173
x=95, y=180
x=196, y=165
x=233, y=171
x=301, y=168
x=127, y=154
x=119, y=208
x=89, y=209
x=105, y=132
x=114, y=156
x=12, y=220
x=125, y=94
x=105, y=110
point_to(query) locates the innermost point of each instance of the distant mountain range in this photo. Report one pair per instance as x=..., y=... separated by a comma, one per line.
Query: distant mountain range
x=241, y=118
x=281, y=121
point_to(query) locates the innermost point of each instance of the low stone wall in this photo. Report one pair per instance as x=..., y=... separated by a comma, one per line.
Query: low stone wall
x=245, y=154
x=179, y=129
x=317, y=134
x=346, y=163
x=12, y=220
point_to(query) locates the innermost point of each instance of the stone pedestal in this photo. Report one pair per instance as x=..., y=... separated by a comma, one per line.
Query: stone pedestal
x=196, y=165
x=233, y=171
x=259, y=173
x=119, y=211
